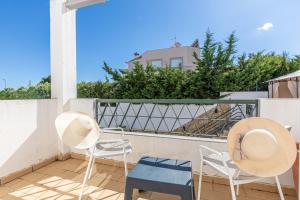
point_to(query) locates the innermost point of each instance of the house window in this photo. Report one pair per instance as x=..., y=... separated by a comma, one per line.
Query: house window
x=156, y=63
x=176, y=62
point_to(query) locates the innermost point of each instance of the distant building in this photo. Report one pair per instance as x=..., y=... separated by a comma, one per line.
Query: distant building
x=177, y=56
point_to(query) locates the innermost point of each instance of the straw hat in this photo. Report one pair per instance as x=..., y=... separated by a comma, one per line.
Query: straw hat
x=77, y=130
x=261, y=147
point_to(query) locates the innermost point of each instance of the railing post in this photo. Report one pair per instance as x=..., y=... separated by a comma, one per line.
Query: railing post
x=257, y=105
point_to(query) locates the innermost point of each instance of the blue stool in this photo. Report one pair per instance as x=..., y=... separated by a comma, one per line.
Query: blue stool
x=161, y=175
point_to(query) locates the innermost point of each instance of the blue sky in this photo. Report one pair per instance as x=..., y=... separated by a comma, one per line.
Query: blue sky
x=111, y=32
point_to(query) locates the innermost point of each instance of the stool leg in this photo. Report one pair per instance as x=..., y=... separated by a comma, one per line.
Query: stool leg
x=187, y=195
x=128, y=191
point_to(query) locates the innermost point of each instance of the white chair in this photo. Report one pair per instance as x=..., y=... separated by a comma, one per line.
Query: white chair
x=107, y=149
x=80, y=131
x=220, y=161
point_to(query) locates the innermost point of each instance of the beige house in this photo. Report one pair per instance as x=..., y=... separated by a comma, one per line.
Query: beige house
x=175, y=56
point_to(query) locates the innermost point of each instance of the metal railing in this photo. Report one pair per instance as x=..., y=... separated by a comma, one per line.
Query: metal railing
x=189, y=117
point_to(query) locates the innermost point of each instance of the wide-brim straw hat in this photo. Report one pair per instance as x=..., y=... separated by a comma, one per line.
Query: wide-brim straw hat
x=261, y=147
x=77, y=130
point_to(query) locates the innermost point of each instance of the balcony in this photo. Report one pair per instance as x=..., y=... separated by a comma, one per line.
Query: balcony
x=35, y=165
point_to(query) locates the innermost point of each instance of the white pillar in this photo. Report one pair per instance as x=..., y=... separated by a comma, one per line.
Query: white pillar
x=63, y=51
x=63, y=56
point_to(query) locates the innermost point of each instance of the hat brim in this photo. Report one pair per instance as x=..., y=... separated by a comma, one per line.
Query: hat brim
x=275, y=165
x=64, y=120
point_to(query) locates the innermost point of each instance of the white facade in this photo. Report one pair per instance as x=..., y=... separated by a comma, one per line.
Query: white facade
x=164, y=57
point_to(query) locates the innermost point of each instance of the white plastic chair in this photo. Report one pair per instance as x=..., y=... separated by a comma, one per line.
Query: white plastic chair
x=220, y=161
x=106, y=149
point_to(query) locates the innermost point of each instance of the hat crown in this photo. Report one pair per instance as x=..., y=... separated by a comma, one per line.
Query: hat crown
x=77, y=130
x=259, y=144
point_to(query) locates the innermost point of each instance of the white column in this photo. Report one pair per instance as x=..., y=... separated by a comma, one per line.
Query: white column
x=63, y=56
x=63, y=51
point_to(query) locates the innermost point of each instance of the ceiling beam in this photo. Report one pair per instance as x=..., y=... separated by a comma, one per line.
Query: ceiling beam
x=75, y=4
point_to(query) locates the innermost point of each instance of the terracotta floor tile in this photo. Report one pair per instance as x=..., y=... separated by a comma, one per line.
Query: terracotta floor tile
x=256, y=194
x=161, y=196
x=17, y=184
x=28, y=191
x=104, y=194
x=4, y=190
x=70, y=165
x=287, y=197
x=115, y=186
x=49, y=195
x=33, y=177
x=49, y=170
x=9, y=197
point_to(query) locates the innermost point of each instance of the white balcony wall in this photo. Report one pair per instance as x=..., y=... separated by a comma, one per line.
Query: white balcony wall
x=27, y=133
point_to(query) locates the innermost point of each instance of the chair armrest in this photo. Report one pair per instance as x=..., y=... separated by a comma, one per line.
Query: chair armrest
x=121, y=144
x=114, y=143
x=115, y=129
x=210, y=150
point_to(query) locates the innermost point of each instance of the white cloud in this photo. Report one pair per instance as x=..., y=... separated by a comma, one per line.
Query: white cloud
x=265, y=27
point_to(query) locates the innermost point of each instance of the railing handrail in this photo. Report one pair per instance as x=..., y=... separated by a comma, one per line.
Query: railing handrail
x=181, y=101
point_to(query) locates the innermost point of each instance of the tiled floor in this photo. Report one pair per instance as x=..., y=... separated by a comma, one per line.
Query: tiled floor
x=62, y=181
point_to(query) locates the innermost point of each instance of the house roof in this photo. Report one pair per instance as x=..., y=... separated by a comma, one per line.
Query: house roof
x=134, y=59
x=295, y=74
x=195, y=44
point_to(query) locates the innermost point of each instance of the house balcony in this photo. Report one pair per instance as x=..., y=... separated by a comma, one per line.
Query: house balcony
x=35, y=165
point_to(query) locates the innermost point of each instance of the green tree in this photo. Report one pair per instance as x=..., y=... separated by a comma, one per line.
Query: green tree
x=215, y=61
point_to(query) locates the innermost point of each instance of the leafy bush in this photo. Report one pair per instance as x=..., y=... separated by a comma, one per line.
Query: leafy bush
x=39, y=91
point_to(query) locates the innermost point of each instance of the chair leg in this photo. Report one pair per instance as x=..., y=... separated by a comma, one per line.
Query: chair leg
x=200, y=180
x=237, y=185
x=233, y=196
x=86, y=174
x=279, y=188
x=125, y=163
x=91, y=171
x=237, y=190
